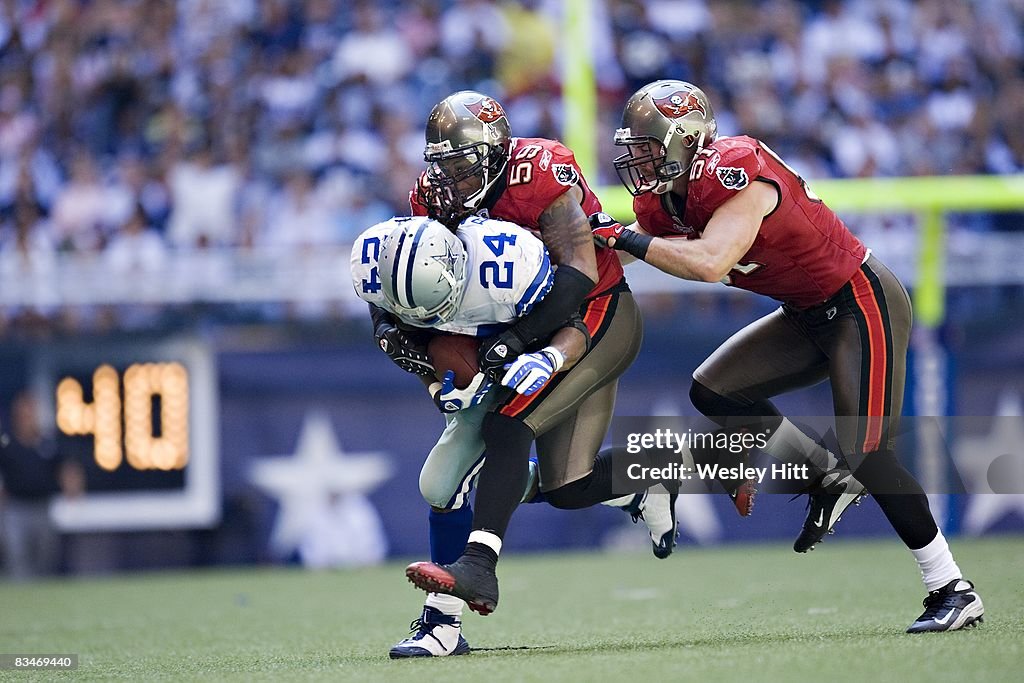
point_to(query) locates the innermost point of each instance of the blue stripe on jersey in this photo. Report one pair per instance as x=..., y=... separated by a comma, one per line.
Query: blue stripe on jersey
x=538, y=288
x=490, y=329
x=412, y=263
x=394, y=268
x=541, y=294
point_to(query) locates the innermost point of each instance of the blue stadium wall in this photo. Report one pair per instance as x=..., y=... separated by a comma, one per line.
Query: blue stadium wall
x=268, y=386
x=375, y=407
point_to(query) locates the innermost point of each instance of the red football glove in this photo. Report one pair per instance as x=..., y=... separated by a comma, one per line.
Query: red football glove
x=605, y=228
x=608, y=232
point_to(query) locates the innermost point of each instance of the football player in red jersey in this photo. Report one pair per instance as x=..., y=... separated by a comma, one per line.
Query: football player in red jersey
x=476, y=167
x=752, y=222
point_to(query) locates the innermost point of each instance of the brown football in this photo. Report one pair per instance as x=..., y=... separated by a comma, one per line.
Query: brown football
x=455, y=352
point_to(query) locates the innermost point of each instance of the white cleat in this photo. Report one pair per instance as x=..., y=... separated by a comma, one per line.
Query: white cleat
x=434, y=634
x=658, y=510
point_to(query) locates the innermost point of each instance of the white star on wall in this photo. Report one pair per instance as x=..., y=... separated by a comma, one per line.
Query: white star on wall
x=974, y=457
x=305, y=483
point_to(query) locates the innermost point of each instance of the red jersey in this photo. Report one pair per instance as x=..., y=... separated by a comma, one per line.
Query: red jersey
x=803, y=253
x=539, y=171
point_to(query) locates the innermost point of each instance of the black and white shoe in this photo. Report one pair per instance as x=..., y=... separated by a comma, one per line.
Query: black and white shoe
x=434, y=634
x=471, y=577
x=837, y=491
x=952, y=607
x=658, y=510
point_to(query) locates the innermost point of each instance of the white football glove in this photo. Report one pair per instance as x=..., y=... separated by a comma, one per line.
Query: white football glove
x=449, y=399
x=531, y=371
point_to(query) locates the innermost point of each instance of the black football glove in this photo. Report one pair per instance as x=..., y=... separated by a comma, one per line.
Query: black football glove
x=405, y=353
x=495, y=352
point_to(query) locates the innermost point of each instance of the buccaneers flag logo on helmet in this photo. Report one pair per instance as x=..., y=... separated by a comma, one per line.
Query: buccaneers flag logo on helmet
x=487, y=110
x=679, y=104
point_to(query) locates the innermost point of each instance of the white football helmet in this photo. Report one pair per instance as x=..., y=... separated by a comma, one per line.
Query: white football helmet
x=422, y=268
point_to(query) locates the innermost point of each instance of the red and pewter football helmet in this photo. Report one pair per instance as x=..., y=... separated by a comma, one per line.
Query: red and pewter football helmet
x=468, y=145
x=678, y=117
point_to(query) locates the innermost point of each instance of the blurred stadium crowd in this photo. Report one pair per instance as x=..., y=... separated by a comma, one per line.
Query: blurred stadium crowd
x=129, y=128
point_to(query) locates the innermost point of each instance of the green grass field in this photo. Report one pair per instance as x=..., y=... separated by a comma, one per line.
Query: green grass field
x=753, y=613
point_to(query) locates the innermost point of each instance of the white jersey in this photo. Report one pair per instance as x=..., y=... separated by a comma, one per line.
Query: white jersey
x=508, y=271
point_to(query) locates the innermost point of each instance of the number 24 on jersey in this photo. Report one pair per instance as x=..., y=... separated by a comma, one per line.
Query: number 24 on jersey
x=493, y=274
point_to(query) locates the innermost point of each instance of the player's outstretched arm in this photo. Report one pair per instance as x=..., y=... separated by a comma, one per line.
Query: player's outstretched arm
x=727, y=237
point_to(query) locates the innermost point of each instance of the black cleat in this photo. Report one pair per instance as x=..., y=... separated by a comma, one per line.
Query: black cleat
x=468, y=577
x=950, y=608
x=826, y=506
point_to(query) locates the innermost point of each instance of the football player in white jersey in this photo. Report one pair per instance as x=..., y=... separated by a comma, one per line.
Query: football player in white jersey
x=473, y=282
x=513, y=272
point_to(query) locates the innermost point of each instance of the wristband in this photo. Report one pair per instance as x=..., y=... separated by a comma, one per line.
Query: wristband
x=555, y=356
x=633, y=243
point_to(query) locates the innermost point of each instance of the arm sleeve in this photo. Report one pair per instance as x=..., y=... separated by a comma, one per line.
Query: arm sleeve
x=567, y=293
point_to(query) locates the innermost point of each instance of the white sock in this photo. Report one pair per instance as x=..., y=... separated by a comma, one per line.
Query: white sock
x=487, y=538
x=789, y=444
x=620, y=502
x=446, y=604
x=937, y=564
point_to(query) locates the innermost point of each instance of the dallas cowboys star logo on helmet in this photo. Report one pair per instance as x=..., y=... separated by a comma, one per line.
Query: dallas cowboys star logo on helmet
x=448, y=260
